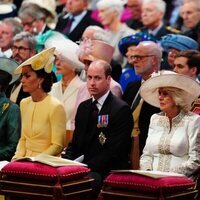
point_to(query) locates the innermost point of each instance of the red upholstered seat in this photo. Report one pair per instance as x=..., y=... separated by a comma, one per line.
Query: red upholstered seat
x=35, y=171
x=35, y=180
x=125, y=186
x=148, y=184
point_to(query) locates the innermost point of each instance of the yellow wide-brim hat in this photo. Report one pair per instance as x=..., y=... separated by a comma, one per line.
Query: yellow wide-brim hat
x=43, y=59
x=165, y=78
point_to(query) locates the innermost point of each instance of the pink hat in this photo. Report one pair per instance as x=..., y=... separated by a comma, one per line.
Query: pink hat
x=95, y=49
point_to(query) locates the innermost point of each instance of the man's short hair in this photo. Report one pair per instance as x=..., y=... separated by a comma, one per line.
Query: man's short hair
x=107, y=67
x=28, y=37
x=193, y=58
x=160, y=4
x=14, y=23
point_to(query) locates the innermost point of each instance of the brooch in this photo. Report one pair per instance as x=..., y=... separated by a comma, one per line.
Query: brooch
x=102, y=138
x=5, y=106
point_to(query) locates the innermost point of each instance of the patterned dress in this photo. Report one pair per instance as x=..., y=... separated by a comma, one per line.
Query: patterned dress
x=173, y=150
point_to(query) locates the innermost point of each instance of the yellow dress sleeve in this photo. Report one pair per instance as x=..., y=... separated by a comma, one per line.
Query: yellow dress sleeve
x=58, y=130
x=21, y=146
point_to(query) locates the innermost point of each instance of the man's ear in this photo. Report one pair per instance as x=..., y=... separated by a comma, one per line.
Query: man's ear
x=193, y=71
x=109, y=78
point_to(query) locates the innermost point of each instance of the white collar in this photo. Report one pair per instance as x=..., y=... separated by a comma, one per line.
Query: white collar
x=101, y=100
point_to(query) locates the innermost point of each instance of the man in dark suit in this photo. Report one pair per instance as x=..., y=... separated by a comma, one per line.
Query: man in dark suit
x=76, y=20
x=135, y=6
x=102, y=138
x=34, y=17
x=146, y=59
x=189, y=11
x=153, y=13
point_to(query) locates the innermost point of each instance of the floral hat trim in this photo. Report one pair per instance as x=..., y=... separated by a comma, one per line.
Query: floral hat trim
x=85, y=48
x=135, y=39
x=44, y=59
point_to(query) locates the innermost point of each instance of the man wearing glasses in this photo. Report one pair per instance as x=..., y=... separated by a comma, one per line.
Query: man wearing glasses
x=34, y=17
x=23, y=48
x=146, y=59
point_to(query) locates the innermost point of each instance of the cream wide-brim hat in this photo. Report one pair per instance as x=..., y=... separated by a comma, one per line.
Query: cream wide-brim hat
x=48, y=5
x=66, y=48
x=43, y=59
x=165, y=78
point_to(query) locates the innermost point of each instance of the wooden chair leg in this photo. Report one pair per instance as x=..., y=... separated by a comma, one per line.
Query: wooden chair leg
x=135, y=153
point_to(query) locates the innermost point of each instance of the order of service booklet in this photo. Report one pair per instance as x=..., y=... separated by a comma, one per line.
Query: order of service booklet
x=51, y=160
x=152, y=174
x=3, y=163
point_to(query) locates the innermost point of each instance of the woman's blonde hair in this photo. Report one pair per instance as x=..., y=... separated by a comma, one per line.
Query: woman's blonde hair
x=181, y=98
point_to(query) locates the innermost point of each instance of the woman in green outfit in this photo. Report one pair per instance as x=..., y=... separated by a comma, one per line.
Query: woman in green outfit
x=10, y=121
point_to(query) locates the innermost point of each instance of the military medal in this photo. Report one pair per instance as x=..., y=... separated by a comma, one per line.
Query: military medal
x=102, y=138
x=102, y=121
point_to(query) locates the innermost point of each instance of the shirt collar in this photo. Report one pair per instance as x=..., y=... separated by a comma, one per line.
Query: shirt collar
x=155, y=31
x=7, y=53
x=101, y=100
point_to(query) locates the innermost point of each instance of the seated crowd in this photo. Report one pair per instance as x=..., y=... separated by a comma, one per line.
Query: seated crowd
x=117, y=84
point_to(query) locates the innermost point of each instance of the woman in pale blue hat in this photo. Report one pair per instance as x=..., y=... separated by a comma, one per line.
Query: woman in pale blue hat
x=174, y=43
x=10, y=121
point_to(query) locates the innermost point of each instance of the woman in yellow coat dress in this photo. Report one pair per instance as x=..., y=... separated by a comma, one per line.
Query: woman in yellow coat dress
x=43, y=116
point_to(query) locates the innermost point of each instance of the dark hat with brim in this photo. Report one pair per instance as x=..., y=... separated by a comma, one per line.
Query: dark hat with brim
x=8, y=65
x=135, y=39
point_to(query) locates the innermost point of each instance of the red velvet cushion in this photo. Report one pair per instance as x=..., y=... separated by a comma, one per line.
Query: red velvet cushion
x=147, y=184
x=39, y=171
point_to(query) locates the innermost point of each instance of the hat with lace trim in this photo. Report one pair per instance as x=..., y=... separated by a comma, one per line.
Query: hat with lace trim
x=165, y=78
x=42, y=60
x=95, y=49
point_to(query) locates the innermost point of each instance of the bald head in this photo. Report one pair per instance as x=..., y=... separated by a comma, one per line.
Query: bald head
x=146, y=58
x=151, y=47
x=105, y=65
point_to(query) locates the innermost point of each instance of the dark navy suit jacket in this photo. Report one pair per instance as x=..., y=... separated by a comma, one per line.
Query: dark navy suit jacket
x=113, y=154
